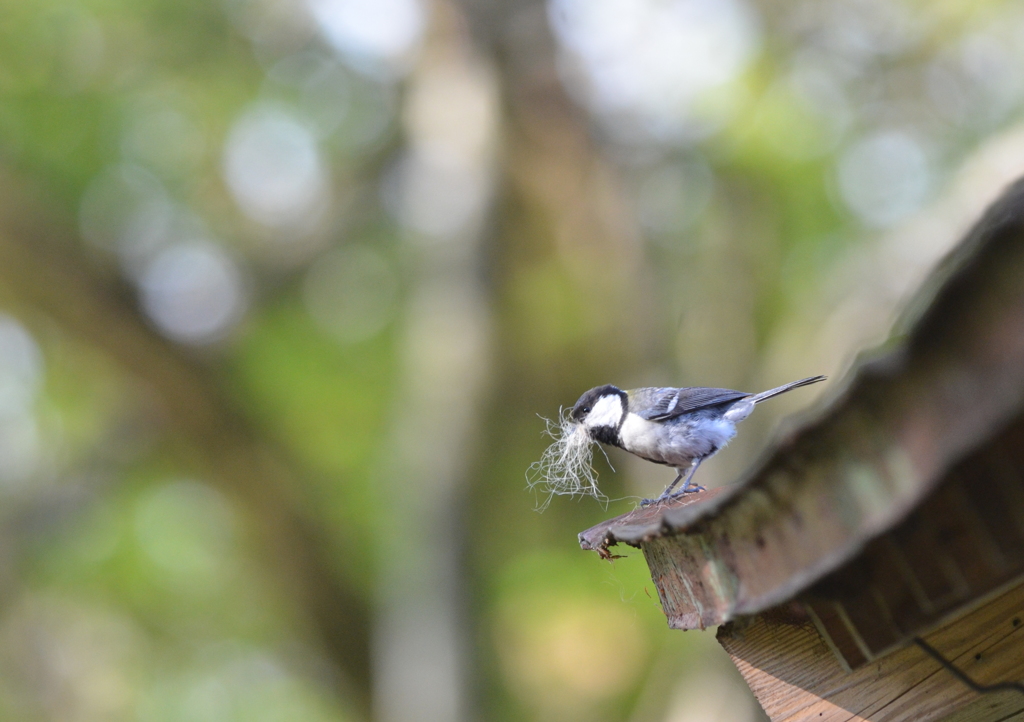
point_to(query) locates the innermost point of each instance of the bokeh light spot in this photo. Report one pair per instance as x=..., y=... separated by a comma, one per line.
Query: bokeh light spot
x=884, y=177
x=647, y=62
x=112, y=203
x=564, y=655
x=373, y=36
x=193, y=292
x=436, y=199
x=21, y=373
x=165, y=138
x=273, y=168
x=186, y=529
x=351, y=293
x=671, y=197
x=21, y=448
x=21, y=368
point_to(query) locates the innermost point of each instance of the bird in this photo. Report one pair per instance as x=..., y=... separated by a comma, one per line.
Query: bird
x=677, y=427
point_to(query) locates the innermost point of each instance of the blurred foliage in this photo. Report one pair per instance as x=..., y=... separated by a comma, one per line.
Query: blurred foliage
x=285, y=284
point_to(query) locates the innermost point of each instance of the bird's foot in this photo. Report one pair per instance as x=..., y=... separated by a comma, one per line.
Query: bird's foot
x=665, y=497
x=690, y=490
x=683, y=492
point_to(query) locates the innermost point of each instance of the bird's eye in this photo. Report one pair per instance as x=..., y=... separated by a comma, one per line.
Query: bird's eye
x=586, y=409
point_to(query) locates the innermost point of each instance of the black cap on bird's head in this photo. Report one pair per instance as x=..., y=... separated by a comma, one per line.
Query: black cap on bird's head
x=602, y=408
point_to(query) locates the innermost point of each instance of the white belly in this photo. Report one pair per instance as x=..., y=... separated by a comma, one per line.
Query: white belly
x=677, y=442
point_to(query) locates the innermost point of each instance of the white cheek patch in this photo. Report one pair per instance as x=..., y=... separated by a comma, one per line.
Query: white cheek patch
x=606, y=412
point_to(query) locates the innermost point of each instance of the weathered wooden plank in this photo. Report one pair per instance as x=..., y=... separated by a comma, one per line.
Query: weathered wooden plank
x=646, y=522
x=994, y=707
x=950, y=551
x=796, y=678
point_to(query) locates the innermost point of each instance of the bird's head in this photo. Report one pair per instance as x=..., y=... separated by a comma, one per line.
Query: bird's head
x=601, y=411
x=565, y=466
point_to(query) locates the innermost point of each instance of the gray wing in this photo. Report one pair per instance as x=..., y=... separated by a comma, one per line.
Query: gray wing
x=662, y=404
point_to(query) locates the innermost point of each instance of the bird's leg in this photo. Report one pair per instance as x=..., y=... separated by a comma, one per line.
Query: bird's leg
x=687, y=489
x=664, y=494
x=668, y=489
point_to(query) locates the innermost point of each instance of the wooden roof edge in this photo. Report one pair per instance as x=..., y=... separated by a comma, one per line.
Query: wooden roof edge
x=646, y=522
x=878, y=448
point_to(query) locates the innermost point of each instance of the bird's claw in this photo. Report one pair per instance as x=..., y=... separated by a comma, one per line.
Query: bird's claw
x=665, y=497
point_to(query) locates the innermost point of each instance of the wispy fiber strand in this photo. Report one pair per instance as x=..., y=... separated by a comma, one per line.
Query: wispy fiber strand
x=565, y=467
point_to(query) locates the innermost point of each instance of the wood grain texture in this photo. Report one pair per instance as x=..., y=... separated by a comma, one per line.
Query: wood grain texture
x=962, y=543
x=796, y=678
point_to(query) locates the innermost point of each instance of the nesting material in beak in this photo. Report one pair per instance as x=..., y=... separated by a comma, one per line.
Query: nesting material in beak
x=565, y=467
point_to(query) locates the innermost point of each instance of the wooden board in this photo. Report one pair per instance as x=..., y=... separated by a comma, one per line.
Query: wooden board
x=962, y=544
x=796, y=678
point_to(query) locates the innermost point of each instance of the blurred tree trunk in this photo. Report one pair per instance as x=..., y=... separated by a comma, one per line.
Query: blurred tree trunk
x=563, y=200
x=422, y=630
x=570, y=275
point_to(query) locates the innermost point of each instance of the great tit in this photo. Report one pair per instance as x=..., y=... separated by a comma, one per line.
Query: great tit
x=676, y=427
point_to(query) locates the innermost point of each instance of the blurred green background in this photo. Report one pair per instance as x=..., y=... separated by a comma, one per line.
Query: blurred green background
x=285, y=284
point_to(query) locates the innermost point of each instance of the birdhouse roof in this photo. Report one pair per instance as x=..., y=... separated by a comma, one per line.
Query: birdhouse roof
x=928, y=432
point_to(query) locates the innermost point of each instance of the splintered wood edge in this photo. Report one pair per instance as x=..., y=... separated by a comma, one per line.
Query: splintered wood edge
x=648, y=522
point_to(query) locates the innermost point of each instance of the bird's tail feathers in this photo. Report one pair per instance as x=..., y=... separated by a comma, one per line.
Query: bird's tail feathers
x=758, y=398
